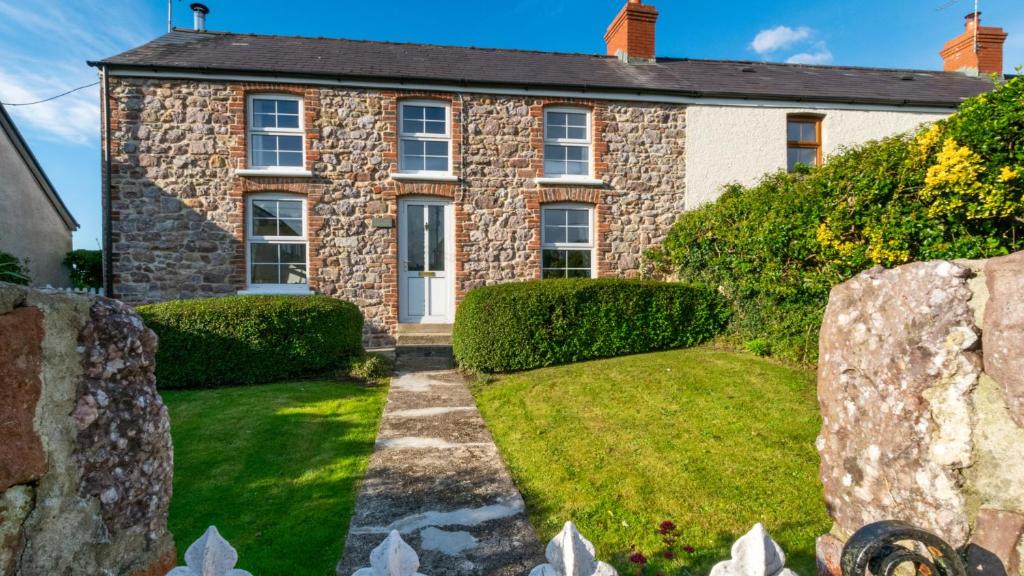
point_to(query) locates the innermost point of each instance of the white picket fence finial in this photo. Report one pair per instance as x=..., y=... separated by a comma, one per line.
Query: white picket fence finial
x=754, y=554
x=570, y=554
x=392, y=557
x=210, y=555
x=70, y=290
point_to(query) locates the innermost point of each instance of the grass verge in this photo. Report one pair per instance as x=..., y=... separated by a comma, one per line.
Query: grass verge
x=275, y=467
x=714, y=441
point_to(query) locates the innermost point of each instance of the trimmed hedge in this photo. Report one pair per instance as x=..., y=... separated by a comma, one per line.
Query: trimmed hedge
x=241, y=340
x=527, y=325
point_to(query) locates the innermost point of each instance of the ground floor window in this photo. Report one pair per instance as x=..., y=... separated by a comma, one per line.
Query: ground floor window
x=276, y=242
x=567, y=241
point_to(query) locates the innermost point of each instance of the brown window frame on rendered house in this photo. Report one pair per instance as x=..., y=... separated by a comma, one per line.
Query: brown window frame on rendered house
x=804, y=144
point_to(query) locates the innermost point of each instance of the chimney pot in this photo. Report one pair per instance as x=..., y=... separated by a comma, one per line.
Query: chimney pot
x=979, y=50
x=630, y=37
x=199, y=12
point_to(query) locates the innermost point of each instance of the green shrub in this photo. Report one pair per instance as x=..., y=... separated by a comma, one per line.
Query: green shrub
x=239, y=340
x=86, y=267
x=370, y=367
x=953, y=190
x=527, y=325
x=758, y=346
x=13, y=270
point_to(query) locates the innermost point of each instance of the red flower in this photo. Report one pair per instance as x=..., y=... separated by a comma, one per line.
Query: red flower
x=638, y=558
x=666, y=527
x=689, y=549
x=669, y=555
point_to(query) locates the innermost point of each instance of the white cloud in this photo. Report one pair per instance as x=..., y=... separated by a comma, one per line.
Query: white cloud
x=820, y=55
x=74, y=117
x=800, y=43
x=779, y=38
x=45, y=45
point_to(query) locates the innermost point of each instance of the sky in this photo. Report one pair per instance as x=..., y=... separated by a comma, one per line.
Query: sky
x=45, y=44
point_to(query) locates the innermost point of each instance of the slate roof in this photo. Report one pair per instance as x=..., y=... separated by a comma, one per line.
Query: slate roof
x=339, y=59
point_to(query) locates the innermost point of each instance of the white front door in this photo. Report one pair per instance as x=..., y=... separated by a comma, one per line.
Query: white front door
x=426, y=263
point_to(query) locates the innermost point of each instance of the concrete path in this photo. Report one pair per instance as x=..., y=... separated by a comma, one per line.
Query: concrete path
x=436, y=476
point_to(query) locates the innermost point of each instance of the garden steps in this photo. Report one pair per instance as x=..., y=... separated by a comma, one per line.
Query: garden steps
x=424, y=347
x=437, y=477
x=411, y=329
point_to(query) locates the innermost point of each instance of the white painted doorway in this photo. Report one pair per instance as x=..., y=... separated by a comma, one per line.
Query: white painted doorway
x=426, y=253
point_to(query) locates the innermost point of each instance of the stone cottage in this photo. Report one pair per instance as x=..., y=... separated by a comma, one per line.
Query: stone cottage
x=400, y=176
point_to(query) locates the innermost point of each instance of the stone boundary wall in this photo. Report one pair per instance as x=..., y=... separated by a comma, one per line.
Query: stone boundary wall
x=921, y=386
x=85, y=447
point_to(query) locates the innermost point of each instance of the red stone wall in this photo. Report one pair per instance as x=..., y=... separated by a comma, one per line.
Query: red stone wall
x=921, y=387
x=85, y=455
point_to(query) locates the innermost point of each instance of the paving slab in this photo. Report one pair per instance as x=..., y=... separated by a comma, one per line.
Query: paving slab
x=461, y=427
x=437, y=477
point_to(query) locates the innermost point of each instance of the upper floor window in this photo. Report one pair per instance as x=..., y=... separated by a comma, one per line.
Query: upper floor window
x=566, y=142
x=567, y=241
x=424, y=139
x=275, y=132
x=277, y=242
x=803, y=141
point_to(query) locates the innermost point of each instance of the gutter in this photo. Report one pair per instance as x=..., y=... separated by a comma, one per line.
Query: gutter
x=108, y=270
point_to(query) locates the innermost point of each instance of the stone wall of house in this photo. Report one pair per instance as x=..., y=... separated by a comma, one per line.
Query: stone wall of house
x=178, y=207
x=921, y=385
x=85, y=455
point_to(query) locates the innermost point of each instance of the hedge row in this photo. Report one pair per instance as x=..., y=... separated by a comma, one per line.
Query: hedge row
x=527, y=325
x=955, y=189
x=239, y=340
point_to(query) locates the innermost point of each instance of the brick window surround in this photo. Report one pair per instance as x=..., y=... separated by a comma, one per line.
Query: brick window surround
x=311, y=188
x=550, y=193
x=393, y=190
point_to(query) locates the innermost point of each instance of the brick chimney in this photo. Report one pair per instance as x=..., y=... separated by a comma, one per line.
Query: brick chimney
x=963, y=54
x=631, y=35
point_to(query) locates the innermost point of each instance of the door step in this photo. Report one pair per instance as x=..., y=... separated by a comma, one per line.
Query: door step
x=410, y=329
x=419, y=335
x=413, y=340
x=424, y=347
x=418, y=358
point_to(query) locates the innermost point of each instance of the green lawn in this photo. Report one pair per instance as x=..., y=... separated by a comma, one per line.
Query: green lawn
x=714, y=441
x=274, y=467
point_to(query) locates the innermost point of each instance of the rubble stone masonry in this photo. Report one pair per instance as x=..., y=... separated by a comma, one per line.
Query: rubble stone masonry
x=178, y=208
x=920, y=383
x=86, y=460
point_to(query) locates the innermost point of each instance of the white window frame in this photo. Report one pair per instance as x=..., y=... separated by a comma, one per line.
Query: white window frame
x=590, y=246
x=425, y=137
x=251, y=131
x=251, y=238
x=587, y=142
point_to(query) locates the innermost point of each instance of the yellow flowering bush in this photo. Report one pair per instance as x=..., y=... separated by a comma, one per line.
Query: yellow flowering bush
x=927, y=139
x=954, y=185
